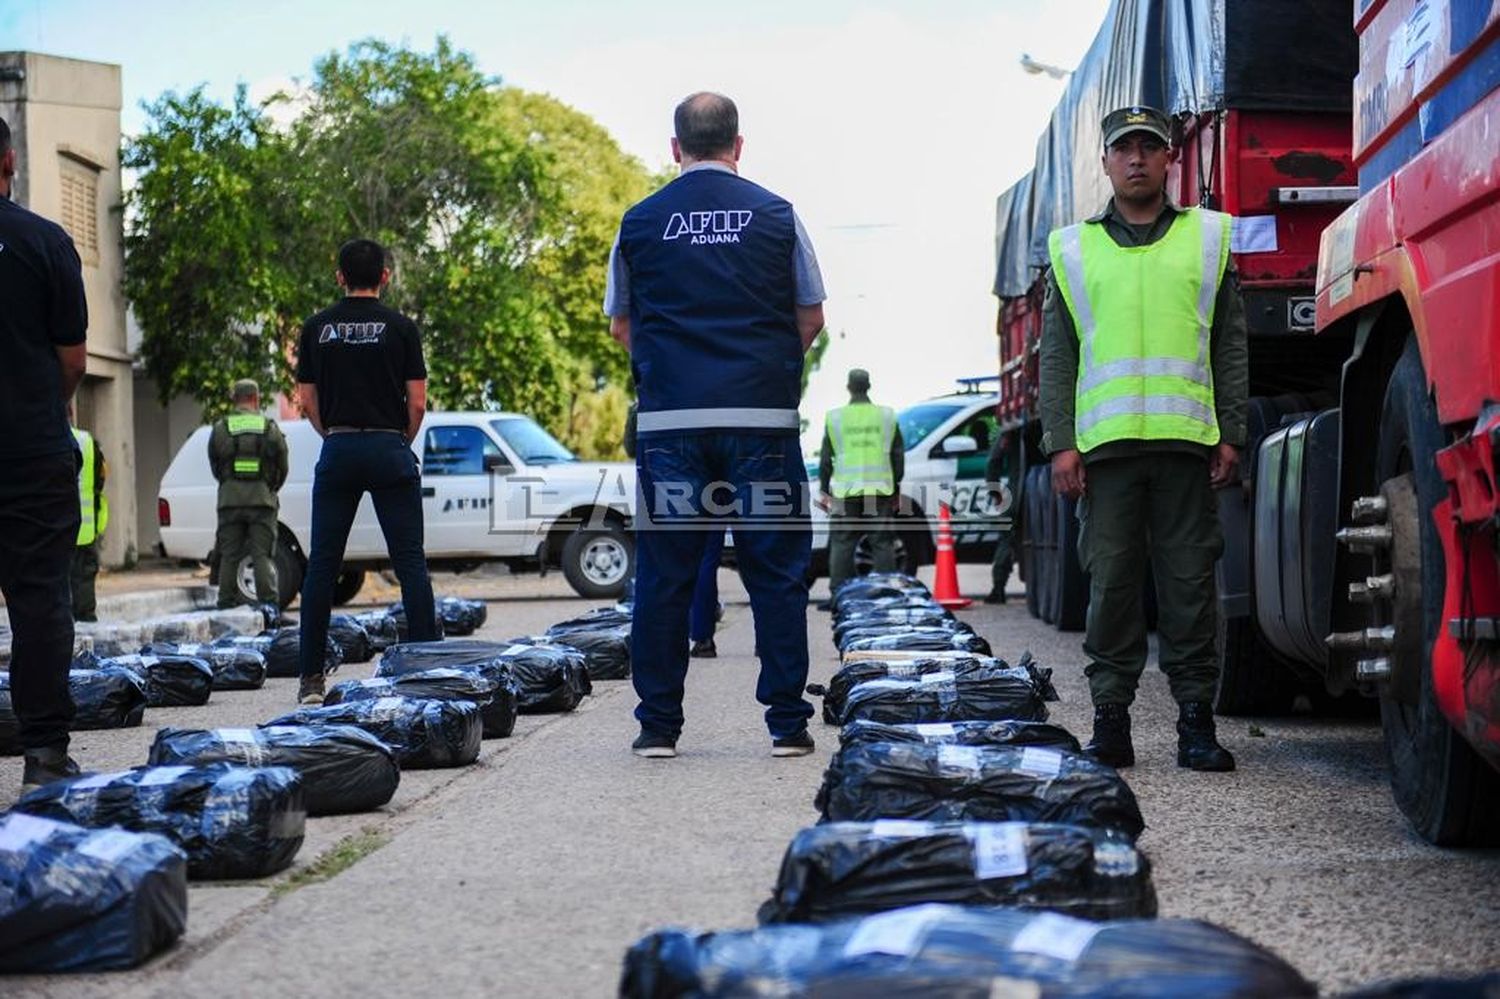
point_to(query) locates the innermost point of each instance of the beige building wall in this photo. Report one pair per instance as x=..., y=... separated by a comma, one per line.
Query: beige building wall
x=65, y=119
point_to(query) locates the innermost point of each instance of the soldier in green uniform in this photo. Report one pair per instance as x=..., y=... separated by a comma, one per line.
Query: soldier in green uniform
x=861, y=466
x=1002, y=486
x=1144, y=379
x=247, y=453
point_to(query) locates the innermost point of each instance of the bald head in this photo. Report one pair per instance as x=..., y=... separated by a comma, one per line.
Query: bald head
x=707, y=126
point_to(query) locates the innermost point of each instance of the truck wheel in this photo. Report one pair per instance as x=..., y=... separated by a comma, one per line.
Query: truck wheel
x=1251, y=681
x=597, y=562
x=286, y=568
x=1449, y=794
x=1031, y=525
x=347, y=586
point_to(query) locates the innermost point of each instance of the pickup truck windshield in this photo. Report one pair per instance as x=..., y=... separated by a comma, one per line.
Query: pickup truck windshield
x=530, y=442
x=920, y=420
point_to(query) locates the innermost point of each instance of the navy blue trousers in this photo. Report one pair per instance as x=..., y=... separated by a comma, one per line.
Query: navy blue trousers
x=704, y=613
x=689, y=488
x=349, y=466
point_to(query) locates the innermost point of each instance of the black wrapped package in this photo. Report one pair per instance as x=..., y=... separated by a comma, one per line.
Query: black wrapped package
x=255, y=643
x=949, y=783
x=75, y=899
x=959, y=952
x=351, y=638
x=836, y=694
x=231, y=821
x=109, y=697
x=964, y=733
x=550, y=678
x=455, y=616
x=859, y=607
x=845, y=869
x=235, y=667
x=493, y=690
x=381, y=628
x=603, y=636
x=877, y=586
x=283, y=657
x=343, y=768
x=172, y=680
x=413, y=657
x=903, y=638
x=424, y=733
x=922, y=617
x=968, y=693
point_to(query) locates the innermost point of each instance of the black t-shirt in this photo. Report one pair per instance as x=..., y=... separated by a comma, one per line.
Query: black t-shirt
x=360, y=355
x=41, y=308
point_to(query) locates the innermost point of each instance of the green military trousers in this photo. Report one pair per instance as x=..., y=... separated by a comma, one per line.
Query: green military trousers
x=246, y=531
x=1155, y=507
x=81, y=579
x=860, y=517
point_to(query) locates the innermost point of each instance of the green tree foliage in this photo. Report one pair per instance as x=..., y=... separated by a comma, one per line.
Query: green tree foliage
x=498, y=206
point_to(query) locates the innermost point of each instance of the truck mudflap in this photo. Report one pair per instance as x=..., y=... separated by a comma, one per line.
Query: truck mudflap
x=1466, y=653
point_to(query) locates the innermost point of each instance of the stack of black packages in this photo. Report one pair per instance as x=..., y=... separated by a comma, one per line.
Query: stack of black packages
x=351, y=638
x=235, y=667
x=343, y=768
x=494, y=692
x=948, y=950
x=424, y=733
x=603, y=635
x=75, y=899
x=549, y=678
x=284, y=652
x=231, y=821
x=171, y=679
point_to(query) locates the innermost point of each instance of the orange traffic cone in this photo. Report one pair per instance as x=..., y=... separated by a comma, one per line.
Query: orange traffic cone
x=945, y=573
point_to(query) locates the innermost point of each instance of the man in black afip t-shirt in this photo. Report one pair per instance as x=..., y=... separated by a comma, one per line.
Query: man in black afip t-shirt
x=362, y=384
x=43, y=319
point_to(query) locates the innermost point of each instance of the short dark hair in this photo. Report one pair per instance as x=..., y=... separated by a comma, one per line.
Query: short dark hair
x=361, y=261
x=4, y=137
x=706, y=124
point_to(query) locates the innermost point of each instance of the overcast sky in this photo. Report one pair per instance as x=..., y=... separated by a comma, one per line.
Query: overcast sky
x=891, y=126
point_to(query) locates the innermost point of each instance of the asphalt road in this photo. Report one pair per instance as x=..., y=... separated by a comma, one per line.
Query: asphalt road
x=532, y=871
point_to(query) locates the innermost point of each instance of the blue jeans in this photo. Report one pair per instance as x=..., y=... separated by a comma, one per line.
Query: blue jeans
x=349, y=466
x=689, y=488
x=704, y=613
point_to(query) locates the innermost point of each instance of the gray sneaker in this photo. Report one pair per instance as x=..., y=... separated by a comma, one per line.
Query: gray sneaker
x=310, y=690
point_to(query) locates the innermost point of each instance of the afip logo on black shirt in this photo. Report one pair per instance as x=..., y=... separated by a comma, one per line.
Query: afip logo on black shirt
x=708, y=227
x=352, y=333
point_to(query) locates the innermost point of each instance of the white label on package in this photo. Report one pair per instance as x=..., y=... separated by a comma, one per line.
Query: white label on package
x=1040, y=762
x=162, y=775
x=999, y=849
x=1253, y=234
x=19, y=830
x=1062, y=937
x=898, y=933
x=901, y=669
x=900, y=828
x=388, y=704
x=188, y=650
x=244, y=735
x=936, y=730
x=962, y=757
x=109, y=845
x=98, y=780
x=515, y=650
x=941, y=676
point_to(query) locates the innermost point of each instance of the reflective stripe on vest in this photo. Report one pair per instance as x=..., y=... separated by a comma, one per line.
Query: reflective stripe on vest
x=1143, y=314
x=861, y=434
x=246, y=423
x=88, y=527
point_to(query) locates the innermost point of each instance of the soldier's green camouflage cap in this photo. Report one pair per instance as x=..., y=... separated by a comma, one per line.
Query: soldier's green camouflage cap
x=245, y=388
x=1138, y=118
x=859, y=378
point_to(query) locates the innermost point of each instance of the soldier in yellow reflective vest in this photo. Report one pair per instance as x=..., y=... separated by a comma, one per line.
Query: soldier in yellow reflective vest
x=93, y=508
x=862, y=463
x=1144, y=376
x=248, y=455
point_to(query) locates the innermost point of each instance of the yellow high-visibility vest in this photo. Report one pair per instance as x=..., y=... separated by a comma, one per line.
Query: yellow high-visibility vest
x=94, y=518
x=862, y=434
x=1143, y=315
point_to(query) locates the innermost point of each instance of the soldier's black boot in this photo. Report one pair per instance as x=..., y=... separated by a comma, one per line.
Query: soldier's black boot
x=1197, y=745
x=1111, y=742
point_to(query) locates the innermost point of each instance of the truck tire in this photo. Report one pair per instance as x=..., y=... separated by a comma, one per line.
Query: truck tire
x=1047, y=553
x=596, y=562
x=1251, y=681
x=347, y=586
x=1072, y=583
x=1031, y=525
x=1447, y=792
x=286, y=566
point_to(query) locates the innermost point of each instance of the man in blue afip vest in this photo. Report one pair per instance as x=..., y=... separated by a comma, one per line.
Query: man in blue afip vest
x=715, y=290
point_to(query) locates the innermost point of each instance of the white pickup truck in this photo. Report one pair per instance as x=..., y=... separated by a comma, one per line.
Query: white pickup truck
x=495, y=487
